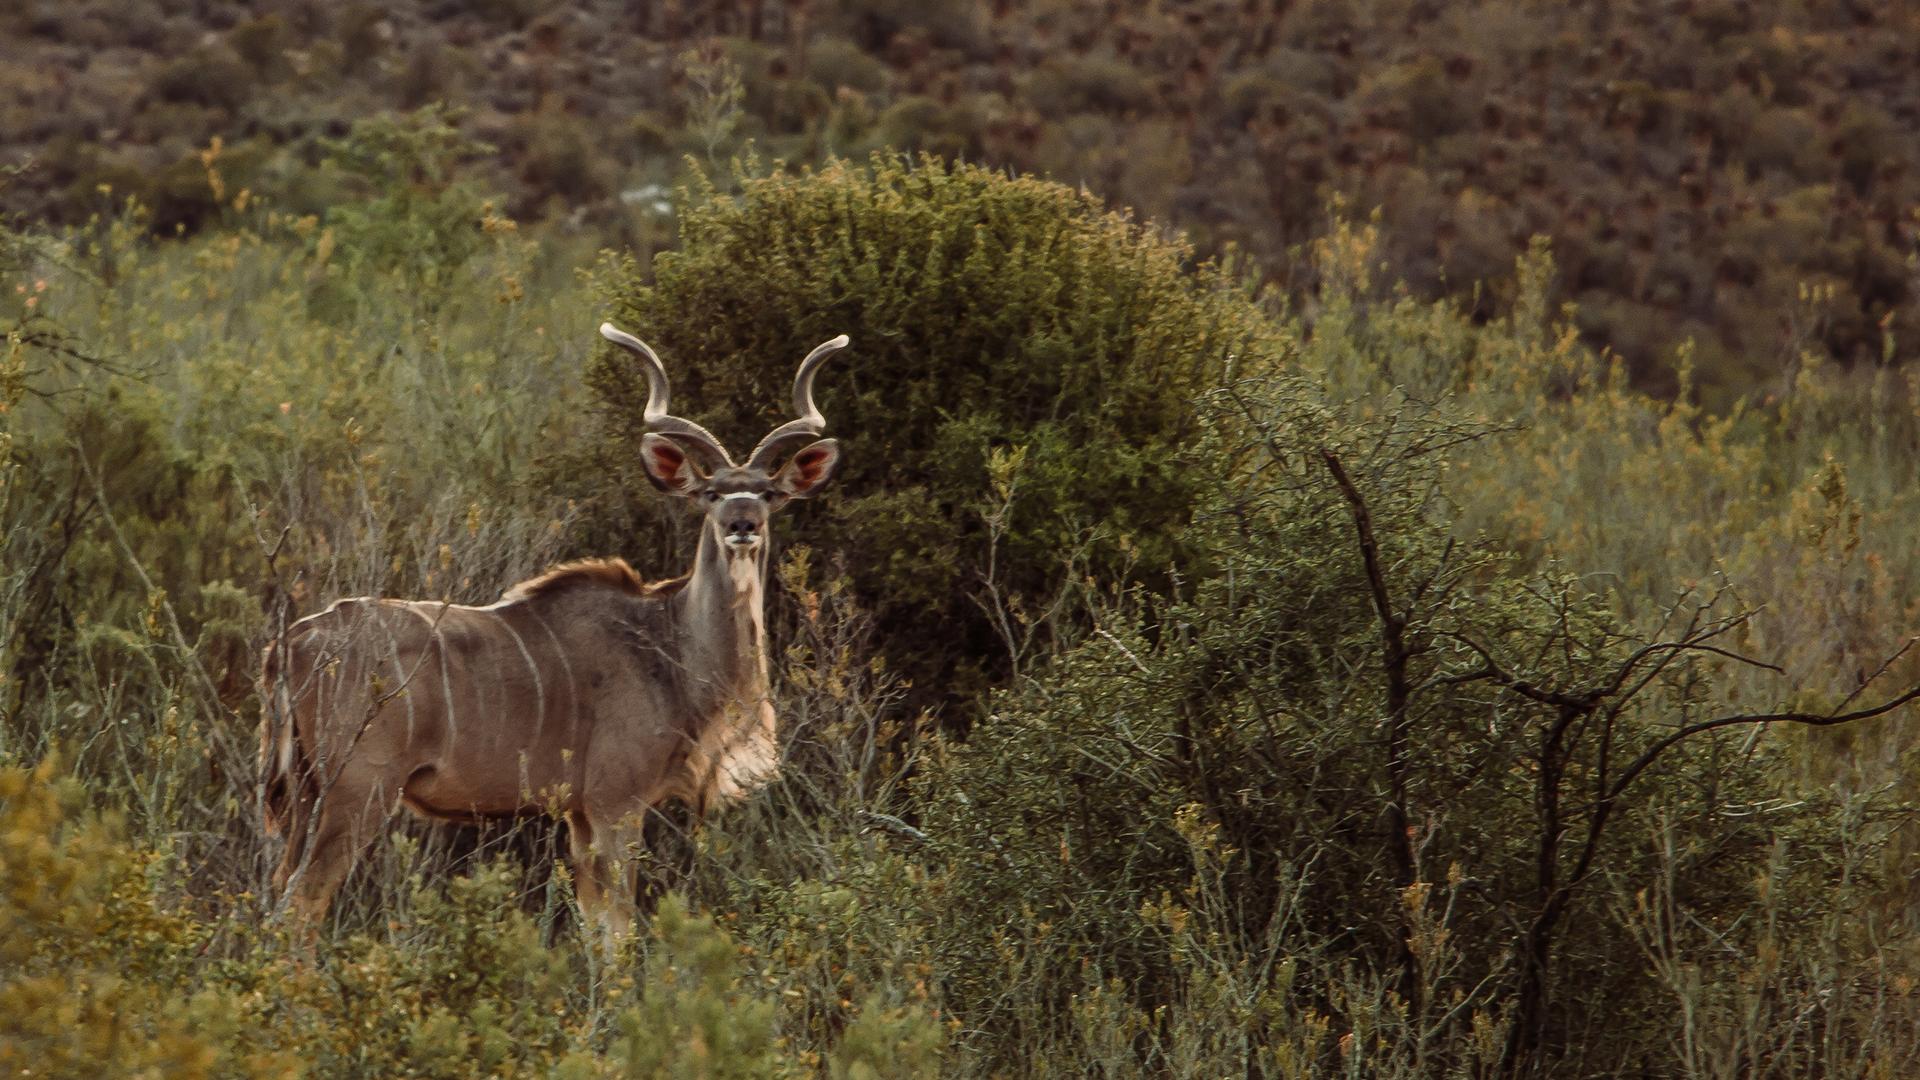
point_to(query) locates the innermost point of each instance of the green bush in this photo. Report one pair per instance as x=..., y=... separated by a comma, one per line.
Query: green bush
x=1064, y=86
x=358, y=30
x=1331, y=764
x=834, y=63
x=697, y=1017
x=989, y=315
x=211, y=75
x=263, y=42
x=93, y=977
x=421, y=220
x=1179, y=845
x=560, y=158
x=919, y=124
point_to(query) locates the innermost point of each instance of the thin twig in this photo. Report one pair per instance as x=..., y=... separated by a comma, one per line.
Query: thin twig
x=133, y=560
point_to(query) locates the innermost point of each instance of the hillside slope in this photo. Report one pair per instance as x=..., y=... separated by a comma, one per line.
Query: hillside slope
x=1738, y=172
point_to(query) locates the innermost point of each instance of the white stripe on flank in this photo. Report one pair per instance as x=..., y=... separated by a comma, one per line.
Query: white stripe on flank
x=573, y=691
x=446, y=684
x=439, y=644
x=539, y=688
x=400, y=675
x=285, y=732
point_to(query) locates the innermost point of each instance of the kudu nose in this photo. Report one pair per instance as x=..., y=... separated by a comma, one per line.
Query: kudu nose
x=742, y=528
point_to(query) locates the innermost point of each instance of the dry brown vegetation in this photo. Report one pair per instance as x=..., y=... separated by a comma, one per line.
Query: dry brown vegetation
x=1700, y=166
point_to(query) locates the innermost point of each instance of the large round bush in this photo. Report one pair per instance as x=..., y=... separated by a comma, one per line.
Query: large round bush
x=988, y=314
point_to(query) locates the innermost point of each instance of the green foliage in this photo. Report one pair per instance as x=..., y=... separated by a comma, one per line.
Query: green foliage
x=1246, y=784
x=459, y=987
x=1214, y=770
x=92, y=979
x=834, y=63
x=559, y=156
x=697, y=1019
x=211, y=75
x=421, y=220
x=986, y=313
x=692, y=1022
x=305, y=441
x=1177, y=844
x=99, y=981
x=263, y=42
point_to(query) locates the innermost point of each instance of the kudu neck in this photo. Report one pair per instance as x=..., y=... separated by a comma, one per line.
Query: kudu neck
x=727, y=608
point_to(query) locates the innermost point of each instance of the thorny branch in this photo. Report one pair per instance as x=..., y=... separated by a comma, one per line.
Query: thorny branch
x=133, y=560
x=1395, y=655
x=1393, y=627
x=1603, y=702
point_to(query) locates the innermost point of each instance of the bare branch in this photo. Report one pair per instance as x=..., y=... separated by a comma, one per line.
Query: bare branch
x=1882, y=670
x=1641, y=764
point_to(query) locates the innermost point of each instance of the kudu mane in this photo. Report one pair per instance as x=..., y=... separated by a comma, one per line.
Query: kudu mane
x=593, y=573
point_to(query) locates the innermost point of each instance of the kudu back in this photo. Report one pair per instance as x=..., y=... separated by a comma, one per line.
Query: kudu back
x=584, y=692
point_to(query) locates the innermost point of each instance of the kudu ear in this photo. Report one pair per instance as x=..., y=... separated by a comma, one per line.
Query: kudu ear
x=809, y=470
x=668, y=466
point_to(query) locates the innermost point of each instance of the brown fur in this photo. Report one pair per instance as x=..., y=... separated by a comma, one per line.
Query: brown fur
x=275, y=785
x=584, y=692
x=605, y=573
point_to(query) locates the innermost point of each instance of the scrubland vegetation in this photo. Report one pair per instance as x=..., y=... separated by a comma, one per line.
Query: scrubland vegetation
x=1180, y=680
x=1697, y=164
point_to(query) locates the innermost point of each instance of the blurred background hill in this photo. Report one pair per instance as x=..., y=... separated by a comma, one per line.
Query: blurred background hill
x=1741, y=174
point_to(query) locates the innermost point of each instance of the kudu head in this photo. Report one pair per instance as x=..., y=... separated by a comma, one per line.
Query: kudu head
x=737, y=499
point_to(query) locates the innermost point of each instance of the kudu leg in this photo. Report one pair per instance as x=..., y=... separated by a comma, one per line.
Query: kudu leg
x=348, y=820
x=603, y=870
x=590, y=872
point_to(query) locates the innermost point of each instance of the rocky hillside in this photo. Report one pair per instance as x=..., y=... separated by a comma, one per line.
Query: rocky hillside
x=1741, y=173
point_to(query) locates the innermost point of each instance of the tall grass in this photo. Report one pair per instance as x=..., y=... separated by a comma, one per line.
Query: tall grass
x=244, y=427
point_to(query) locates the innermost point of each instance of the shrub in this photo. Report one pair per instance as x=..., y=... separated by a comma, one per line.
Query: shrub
x=211, y=75
x=91, y=974
x=1369, y=736
x=1420, y=100
x=1256, y=95
x=263, y=42
x=432, y=73
x=458, y=986
x=560, y=159
x=697, y=1017
x=1171, y=849
x=421, y=220
x=834, y=63
x=358, y=29
x=1064, y=86
x=989, y=316
x=920, y=124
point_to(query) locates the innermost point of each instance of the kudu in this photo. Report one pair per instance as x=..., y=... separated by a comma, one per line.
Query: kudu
x=583, y=692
